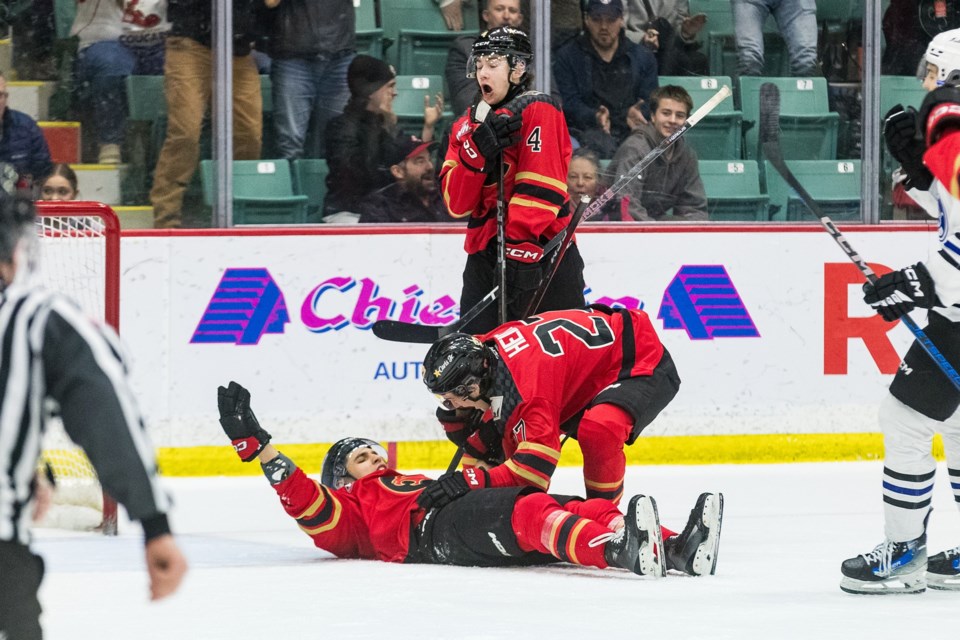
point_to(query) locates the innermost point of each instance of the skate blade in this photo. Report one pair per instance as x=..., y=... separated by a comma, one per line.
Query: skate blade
x=908, y=583
x=943, y=583
x=652, y=560
x=705, y=560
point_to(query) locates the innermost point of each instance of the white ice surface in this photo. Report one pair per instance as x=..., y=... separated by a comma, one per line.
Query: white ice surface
x=253, y=574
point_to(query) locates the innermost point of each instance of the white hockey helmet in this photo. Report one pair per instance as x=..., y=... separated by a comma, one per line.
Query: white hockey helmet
x=943, y=52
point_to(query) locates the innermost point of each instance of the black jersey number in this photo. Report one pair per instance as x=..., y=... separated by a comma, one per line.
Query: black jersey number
x=533, y=140
x=601, y=336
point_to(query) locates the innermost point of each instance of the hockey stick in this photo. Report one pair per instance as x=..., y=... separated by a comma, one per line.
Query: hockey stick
x=397, y=331
x=502, y=241
x=770, y=143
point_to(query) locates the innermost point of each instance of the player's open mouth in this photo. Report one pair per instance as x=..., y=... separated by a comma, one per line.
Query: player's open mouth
x=486, y=89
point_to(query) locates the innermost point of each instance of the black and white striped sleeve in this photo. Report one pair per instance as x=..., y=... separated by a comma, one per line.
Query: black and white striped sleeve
x=85, y=373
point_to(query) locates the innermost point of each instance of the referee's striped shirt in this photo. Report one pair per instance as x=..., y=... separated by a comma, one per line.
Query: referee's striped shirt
x=49, y=350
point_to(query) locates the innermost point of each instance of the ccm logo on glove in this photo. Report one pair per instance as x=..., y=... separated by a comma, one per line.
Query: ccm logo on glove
x=524, y=252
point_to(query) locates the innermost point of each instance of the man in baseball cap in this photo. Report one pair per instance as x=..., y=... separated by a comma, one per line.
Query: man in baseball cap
x=413, y=196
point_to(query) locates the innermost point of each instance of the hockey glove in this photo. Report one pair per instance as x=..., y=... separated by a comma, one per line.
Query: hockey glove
x=239, y=423
x=458, y=424
x=940, y=113
x=451, y=486
x=485, y=444
x=906, y=145
x=494, y=134
x=897, y=293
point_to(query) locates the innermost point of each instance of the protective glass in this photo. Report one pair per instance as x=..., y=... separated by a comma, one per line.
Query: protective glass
x=461, y=391
x=492, y=60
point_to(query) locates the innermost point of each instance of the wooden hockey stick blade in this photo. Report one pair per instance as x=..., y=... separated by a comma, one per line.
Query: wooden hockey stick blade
x=770, y=144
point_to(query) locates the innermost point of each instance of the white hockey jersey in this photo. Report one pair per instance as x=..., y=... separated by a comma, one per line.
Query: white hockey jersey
x=942, y=200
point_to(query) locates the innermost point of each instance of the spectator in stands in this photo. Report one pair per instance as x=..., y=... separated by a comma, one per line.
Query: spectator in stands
x=463, y=89
x=797, y=21
x=672, y=182
x=362, y=141
x=33, y=27
x=905, y=39
x=604, y=80
x=586, y=178
x=60, y=184
x=116, y=40
x=188, y=84
x=414, y=195
x=667, y=28
x=24, y=155
x=452, y=12
x=311, y=44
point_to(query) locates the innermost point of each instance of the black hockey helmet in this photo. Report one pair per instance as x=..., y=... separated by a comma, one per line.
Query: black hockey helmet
x=509, y=42
x=455, y=362
x=333, y=472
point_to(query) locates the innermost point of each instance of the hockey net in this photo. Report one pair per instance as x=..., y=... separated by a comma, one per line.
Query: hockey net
x=80, y=257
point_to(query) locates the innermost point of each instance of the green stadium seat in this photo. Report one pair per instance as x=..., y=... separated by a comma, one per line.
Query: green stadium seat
x=721, y=48
x=420, y=21
x=425, y=52
x=733, y=190
x=262, y=192
x=833, y=184
x=369, y=35
x=719, y=136
x=839, y=11
x=808, y=129
x=310, y=179
x=408, y=105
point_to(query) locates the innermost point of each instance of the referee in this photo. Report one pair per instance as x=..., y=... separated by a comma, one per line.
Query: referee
x=50, y=351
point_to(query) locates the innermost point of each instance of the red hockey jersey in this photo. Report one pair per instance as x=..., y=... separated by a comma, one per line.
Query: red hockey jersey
x=369, y=519
x=551, y=366
x=535, y=179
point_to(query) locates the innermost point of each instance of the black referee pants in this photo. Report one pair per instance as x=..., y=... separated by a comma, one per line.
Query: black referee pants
x=20, y=574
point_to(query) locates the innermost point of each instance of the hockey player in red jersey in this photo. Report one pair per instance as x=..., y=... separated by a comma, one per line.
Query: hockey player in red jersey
x=363, y=509
x=922, y=400
x=600, y=375
x=526, y=131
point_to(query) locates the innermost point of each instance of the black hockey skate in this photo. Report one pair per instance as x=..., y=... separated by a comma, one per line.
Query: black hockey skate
x=892, y=567
x=694, y=551
x=639, y=545
x=943, y=570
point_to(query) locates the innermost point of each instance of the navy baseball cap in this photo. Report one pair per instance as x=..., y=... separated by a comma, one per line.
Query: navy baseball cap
x=610, y=8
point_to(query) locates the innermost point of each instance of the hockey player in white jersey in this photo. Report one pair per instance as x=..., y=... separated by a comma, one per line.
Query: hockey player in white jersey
x=922, y=400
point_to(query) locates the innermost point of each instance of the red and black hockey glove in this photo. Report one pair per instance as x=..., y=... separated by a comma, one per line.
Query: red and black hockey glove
x=906, y=145
x=897, y=293
x=239, y=423
x=940, y=113
x=492, y=136
x=451, y=486
x=458, y=424
x=486, y=444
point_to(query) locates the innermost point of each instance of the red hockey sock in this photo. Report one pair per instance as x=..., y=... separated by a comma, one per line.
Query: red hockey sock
x=540, y=524
x=605, y=513
x=601, y=434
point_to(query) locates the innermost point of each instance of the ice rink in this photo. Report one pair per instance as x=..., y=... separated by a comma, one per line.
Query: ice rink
x=253, y=574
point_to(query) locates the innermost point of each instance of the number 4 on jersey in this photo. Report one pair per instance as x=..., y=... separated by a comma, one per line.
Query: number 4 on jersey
x=533, y=140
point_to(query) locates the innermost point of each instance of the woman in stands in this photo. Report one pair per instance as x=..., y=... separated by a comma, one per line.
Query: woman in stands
x=60, y=184
x=586, y=178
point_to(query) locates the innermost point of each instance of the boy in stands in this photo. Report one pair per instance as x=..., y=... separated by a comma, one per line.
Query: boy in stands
x=363, y=509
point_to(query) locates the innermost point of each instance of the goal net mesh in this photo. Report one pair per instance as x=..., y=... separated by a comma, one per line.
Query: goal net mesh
x=79, y=256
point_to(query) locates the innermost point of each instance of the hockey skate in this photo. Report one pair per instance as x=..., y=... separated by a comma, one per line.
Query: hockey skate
x=892, y=567
x=943, y=570
x=694, y=551
x=639, y=545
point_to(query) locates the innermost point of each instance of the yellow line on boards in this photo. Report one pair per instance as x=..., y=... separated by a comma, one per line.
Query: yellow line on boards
x=647, y=450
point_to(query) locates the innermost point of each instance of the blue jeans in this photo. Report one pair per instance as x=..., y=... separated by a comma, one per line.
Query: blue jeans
x=102, y=68
x=797, y=21
x=303, y=88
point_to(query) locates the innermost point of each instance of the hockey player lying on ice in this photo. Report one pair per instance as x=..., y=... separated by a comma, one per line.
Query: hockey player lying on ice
x=362, y=509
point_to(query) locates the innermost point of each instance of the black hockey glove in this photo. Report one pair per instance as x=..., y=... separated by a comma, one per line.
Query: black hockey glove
x=905, y=142
x=451, y=486
x=458, y=424
x=897, y=293
x=486, y=444
x=494, y=134
x=239, y=423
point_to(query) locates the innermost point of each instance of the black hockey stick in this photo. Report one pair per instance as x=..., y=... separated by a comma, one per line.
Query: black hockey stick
x=397, y=331
x=502, y=241
x=770, y=143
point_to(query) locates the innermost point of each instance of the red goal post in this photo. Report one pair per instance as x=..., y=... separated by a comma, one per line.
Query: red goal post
x=80, y=257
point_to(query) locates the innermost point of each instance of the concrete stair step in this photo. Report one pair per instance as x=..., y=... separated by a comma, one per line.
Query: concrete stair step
x=100, y=182
x=135, y=217
x=32, y=98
